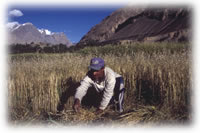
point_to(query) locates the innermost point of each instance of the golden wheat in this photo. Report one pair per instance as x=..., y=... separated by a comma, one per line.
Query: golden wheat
x=163, y=79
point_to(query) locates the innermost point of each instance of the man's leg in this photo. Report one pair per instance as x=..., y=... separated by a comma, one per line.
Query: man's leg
x=120, y=102
x=119, y=94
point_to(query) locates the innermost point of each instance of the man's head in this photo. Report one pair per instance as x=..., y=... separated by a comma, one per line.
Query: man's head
x=97, y=67
x=96, y=64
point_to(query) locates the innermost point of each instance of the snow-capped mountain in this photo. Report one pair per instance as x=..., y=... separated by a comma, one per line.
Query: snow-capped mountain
x=27, y=33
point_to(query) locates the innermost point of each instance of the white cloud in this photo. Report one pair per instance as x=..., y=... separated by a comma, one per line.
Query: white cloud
x=15, y=13
x=47, y=32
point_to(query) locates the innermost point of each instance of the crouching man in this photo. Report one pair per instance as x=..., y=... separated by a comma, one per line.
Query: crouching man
x=104, y=80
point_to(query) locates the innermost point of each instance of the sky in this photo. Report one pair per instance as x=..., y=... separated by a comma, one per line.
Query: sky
x=75, y=22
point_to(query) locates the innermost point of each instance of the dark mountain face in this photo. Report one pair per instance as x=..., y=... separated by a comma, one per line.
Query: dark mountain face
x=142, y=24
x=104, y=30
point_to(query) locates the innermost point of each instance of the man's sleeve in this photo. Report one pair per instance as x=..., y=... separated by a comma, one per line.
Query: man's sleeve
x=82, y=89
x=108, y=93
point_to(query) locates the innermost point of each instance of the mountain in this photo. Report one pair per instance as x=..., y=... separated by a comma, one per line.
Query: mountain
x=27, y=33
x=141, y=24
x=104, y=30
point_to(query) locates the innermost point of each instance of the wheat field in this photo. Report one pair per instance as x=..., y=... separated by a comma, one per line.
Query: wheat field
x=158, y=76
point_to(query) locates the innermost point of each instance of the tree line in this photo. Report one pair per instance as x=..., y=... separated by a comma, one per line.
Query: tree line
x=40, y=48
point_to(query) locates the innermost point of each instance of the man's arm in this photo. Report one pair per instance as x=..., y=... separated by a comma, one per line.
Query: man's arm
x=80, y=92
x=108, y=92
x=77, y=105
x=82, y=89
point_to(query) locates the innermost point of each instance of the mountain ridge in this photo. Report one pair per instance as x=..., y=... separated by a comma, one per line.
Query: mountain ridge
x=141, y=24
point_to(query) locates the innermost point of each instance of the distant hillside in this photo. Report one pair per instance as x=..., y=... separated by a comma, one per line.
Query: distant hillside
x=141, y=24
x=27, y=33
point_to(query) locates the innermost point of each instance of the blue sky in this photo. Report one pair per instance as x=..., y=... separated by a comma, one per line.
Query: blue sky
x=75, y=22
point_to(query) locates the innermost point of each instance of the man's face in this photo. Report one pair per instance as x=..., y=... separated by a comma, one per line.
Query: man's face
x=98, y=74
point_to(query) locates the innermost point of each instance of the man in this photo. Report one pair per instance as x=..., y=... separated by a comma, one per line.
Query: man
x=105, y=81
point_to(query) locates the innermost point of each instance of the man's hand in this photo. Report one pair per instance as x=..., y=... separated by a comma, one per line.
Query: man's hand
x=77, y=105
x=98, y=111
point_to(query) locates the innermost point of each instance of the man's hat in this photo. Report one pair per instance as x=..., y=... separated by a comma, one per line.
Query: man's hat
x=96, y=63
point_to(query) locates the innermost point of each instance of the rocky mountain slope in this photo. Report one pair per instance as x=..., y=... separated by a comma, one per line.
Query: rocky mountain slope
x=142, y=24
x=27, y=33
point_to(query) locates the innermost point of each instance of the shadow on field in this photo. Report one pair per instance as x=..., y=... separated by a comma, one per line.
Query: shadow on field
x=69, y=85
x=91, y=99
